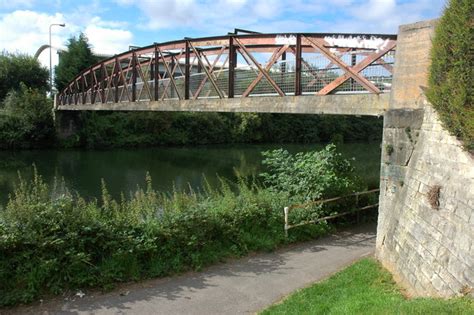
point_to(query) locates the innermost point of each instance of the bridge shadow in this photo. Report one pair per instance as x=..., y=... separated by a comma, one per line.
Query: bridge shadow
x=184, y=287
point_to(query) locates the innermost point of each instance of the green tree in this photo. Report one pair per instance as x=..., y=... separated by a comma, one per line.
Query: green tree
x=20, y=68
x=450, y=82
x=71, y=62
x=27, y=119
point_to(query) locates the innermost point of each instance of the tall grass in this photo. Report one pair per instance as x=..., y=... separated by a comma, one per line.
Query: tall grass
x=52, y=240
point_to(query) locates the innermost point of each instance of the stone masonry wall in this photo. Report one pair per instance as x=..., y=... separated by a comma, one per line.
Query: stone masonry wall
x=429, y=249
x=425, y=233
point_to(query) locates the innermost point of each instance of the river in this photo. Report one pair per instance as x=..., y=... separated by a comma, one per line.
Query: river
x=124, y=169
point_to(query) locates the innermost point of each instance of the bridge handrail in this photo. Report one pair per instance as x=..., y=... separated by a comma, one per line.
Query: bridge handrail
x=123, y=69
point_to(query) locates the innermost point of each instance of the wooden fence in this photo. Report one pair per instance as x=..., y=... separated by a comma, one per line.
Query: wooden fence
x=324, y=201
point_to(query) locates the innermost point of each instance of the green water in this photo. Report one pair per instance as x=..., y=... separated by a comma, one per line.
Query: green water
x=124, y=169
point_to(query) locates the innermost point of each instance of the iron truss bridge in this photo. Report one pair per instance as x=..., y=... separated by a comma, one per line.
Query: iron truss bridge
x=239, y=65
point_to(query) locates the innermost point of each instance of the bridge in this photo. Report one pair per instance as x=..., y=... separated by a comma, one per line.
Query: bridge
x=252, y=72
x=320, y=73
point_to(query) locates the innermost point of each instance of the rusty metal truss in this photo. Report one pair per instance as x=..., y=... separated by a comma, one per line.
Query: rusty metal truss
x=239, y=65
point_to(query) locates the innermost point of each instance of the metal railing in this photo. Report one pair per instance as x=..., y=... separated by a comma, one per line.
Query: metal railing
x=239, y=66
x=286, y=210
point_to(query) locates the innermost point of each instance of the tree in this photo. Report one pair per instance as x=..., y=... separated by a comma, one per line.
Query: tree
x=78, y=57
x=452, y=68
x=27, y=120
x=19, y=68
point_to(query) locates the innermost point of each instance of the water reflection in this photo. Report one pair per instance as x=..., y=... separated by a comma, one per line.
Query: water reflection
x=124, y=169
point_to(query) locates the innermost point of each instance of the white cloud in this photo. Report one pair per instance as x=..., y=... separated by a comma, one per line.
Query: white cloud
x=25, y=31
x=108, y=41
x=218, y=16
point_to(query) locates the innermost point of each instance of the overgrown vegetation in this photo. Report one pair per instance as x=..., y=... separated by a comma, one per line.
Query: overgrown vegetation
x=364, y=288
x=26, y=119
x=452, y=68
x=16, y=69
x=52, y=240
x=310, y=175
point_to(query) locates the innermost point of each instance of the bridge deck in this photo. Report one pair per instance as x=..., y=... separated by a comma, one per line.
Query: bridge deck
x=348, y=104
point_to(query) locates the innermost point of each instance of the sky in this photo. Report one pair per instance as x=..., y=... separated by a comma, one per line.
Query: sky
x=113, y=25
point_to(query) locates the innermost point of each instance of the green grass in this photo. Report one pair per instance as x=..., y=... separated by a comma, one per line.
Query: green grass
x=364, y=288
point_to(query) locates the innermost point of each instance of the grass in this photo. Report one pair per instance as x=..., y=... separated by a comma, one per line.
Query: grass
x=364, y=288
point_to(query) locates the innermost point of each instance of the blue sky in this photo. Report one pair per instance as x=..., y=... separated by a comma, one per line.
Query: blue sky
x=113, y=25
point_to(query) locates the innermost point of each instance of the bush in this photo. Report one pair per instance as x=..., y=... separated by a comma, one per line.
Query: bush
x=52, y=241
x=450, y=81
x=311, y=175
x=16, y=69
x=27, y=120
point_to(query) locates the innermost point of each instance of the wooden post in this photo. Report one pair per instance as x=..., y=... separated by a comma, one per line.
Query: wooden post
x=286, y=210
x=298, y=66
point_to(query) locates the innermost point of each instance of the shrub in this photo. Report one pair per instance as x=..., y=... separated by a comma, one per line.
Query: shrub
x=52, y=241
x=450, y=81
x=27, y=121
x=16, y=69
x=311, y=175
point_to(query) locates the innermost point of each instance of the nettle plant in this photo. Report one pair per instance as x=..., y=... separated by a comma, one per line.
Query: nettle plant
x=311, y=175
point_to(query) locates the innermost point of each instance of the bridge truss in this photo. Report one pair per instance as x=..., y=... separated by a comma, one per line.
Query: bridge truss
x=238, y=65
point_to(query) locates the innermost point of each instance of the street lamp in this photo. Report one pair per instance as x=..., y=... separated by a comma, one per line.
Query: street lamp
x=51, y=57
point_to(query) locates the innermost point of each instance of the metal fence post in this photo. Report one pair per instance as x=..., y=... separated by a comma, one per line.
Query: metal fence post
x=298, y=65
x=232, y=63
x=187, y=69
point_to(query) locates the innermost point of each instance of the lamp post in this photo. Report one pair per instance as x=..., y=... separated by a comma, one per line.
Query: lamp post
x=51, y=57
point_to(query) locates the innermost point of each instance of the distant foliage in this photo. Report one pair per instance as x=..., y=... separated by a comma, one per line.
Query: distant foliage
x=78, y=57
x=26, y=120
x=311, y=175
x=100, y=129
x=18, y=68
x=452, y=68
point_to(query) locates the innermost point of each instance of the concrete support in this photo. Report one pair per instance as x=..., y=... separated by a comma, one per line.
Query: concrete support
x=425, y=233
x=67, y=123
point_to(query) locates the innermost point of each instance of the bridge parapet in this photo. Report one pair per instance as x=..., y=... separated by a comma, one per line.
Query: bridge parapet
x=234, y=66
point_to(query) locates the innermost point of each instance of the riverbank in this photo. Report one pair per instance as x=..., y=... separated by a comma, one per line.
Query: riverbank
x=53, y=240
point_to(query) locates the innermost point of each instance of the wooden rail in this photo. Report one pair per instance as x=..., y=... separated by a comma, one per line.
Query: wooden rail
x=286, y=210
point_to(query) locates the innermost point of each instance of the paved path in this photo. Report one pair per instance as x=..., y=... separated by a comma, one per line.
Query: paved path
x=242, y=286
